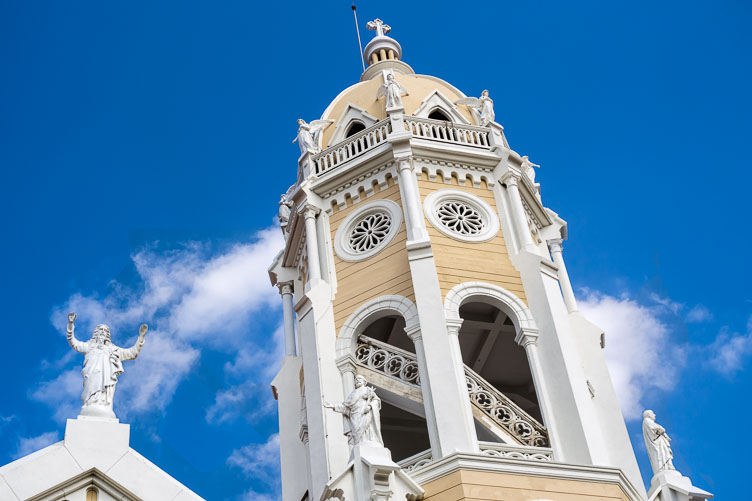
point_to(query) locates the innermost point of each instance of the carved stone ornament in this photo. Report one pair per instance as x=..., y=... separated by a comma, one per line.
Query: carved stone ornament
x=657, y=443
x=103, y=364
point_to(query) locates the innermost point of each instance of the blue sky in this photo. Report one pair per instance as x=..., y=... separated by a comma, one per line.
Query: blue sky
x=144, y=145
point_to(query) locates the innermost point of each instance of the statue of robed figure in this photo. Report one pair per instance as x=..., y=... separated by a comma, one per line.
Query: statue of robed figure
x=361, y=410
x=392, y=93
x=103, y=364
x=657, y=443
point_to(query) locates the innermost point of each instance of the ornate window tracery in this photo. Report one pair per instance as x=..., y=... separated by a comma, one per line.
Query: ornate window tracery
x=368, y=230
x=461, y=215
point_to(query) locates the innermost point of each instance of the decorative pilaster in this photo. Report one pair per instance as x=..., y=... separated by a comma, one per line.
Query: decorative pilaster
x=346, y=367
x=285, y=290
x=416, y=336
x=312, y=247
x=518, y=211
x=528, y=339
x=409, y=185
x=555, y=246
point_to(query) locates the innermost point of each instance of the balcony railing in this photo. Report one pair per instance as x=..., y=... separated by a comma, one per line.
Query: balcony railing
x=416, y=461
x=352, y=147
x=403, y=366
x=513, y=452
x=448, y=132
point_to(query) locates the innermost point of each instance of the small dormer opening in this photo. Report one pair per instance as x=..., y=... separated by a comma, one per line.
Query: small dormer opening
x=438, y=114
x=354, y=128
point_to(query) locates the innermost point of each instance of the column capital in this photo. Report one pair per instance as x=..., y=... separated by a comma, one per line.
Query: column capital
x=285, y=287
x=453, y=325
x=404, y=163
x=346, y=364
x=555, y=244
x=414, y=333
x=310, y=211
x=526, y=337
x=510, y=178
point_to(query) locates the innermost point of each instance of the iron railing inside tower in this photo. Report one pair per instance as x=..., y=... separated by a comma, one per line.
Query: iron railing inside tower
x=403, y=366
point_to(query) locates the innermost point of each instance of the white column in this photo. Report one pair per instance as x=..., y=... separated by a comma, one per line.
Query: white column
x=347, y=369
x=518, y=212
x=555, y=246
x=312, y=246
x=285, y=289
x=425, y=388
x=409, y=187
x=528, y=339
x=453, y=328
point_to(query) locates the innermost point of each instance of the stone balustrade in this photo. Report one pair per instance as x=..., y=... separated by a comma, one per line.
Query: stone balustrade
x=351, y=147
x=448, y=132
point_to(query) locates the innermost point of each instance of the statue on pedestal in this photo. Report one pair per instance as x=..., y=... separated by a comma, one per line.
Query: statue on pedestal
x=361, y=410
x=657, y=443
x=103, y=364
x=527, y=168
x=285, y=206
x=392, y=91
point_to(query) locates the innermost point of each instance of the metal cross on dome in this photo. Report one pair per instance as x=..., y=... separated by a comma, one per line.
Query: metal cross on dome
x=379, y=27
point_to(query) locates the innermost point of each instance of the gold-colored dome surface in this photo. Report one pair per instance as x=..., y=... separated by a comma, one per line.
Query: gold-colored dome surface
x=363, y=95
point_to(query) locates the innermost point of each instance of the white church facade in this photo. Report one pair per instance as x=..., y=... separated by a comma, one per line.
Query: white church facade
x=434, y=348
x=433, y=345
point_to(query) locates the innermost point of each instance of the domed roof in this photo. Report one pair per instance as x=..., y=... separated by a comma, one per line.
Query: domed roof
x=363, y=96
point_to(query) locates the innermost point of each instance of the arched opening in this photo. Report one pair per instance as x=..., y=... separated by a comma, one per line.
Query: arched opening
x=438, y=114
x=489, y=349
x=392, y=360
x=354, y=128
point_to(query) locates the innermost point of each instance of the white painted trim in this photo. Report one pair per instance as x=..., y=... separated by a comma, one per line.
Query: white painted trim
x=351, y=114
x=479, y=462
x=438, y=100
x=521, y=316
x=437, y=197
x=341, y=239
x=347, y=340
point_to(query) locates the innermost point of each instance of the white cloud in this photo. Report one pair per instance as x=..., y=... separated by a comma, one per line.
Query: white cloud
x=191, y=299
x=250, y=398
x=259, y=461
x=729, y=351
x=639, y=352
x=27, y=445
x=698, y=314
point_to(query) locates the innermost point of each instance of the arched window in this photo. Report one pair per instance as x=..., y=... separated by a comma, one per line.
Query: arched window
x=403, y=422
x=490, y=351
x=438, y=114
x=91, y=494
x=354, y=128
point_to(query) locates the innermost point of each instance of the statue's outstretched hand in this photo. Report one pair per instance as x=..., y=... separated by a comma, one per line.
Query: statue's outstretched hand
x=71, y=317
x=142, y=330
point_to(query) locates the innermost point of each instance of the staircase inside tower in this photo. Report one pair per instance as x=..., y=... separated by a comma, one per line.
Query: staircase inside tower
x=504, y=403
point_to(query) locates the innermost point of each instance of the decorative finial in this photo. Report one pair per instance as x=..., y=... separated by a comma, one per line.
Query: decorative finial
x=379, y=27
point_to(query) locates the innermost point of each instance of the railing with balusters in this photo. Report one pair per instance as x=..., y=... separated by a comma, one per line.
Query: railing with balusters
x=402, y=365
x=448, y=132
x=352, y=147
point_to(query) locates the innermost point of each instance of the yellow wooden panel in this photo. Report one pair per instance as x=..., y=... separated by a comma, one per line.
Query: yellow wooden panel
x=385, y=273
x=485, y=486
x=458, y=262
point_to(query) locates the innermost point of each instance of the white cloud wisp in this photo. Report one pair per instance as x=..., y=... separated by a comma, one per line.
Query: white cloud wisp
x=191, y=299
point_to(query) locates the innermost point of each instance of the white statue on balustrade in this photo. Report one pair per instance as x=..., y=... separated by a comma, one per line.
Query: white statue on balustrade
x=657, y=442
x=307, y=134
x=103, y=364
x=361, y=410
x=392, y=91
x=482, y=104
x=528, y=168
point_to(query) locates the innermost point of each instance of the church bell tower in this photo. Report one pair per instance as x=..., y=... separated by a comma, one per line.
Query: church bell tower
x=434, y=349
